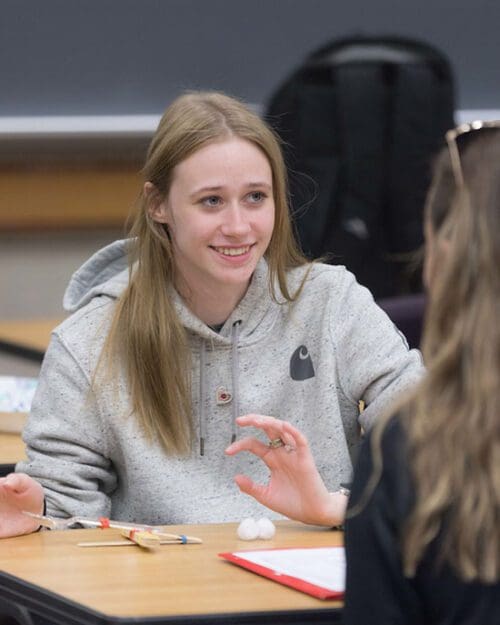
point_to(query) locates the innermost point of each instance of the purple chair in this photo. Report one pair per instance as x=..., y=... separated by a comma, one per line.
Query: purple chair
x=407, y=313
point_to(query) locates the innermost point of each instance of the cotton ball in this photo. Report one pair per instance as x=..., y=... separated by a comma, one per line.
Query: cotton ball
x=248, y=529
x=266, y=528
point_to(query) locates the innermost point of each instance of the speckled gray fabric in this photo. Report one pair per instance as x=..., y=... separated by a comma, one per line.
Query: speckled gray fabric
x=309, y=362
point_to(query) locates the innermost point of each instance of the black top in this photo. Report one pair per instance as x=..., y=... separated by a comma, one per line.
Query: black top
x=376, y=590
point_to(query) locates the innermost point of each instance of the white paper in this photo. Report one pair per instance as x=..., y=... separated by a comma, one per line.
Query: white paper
x=16, y=393
x=321, y=566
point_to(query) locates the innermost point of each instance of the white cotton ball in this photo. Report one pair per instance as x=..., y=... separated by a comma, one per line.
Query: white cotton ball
x=266, y=527
x=248, y=529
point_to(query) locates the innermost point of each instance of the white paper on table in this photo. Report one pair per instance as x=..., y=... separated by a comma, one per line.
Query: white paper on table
x=321, y=566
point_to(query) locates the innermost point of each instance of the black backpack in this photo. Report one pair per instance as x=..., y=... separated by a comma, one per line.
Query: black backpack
x=361, y=120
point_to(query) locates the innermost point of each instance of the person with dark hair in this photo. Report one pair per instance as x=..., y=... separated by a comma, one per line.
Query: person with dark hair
x=207, y=312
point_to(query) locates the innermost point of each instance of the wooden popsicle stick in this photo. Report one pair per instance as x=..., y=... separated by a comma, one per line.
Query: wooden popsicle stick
x=143, y=538
x=121, y=543
x=180, y=537
x=107, y=543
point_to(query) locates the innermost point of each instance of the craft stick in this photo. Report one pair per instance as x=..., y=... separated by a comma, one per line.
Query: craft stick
x=122, y=543
x=180, y=537
x=107, y=543
x=142, y=538
x=105, y=523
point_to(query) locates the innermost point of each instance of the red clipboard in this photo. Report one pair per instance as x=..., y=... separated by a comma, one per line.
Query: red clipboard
x=279, y=573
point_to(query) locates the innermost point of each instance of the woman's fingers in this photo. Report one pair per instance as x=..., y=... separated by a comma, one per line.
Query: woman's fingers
x=274, y=429
x=247, y=486
x=250, y=444
x=17, y=483
x=285, y=442
x=269, y=425
x=19, y=492
x=263, y=422
x=299, y=438
x=257, y=420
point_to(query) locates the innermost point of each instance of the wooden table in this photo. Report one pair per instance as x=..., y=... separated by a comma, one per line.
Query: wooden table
x=11, y=447
x=28, y=338
x=47, y=574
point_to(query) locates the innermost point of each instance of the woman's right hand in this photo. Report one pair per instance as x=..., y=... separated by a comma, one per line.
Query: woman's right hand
x=295, y=488
x=19, y=492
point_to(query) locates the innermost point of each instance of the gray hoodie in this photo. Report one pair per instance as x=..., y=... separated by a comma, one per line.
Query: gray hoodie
x=309, y=362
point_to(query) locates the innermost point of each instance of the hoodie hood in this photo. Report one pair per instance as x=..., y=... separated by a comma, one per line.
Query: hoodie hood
x=104, y=273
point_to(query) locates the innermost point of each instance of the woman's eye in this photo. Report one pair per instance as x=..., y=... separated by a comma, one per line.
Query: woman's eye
x=256, y=197
x=211, y=201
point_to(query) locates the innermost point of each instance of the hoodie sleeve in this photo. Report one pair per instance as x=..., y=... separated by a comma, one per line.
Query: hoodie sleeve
x=66, y=439
x=375, y=363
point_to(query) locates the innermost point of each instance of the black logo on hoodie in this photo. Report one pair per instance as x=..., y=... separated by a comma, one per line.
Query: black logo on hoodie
x=301, y=366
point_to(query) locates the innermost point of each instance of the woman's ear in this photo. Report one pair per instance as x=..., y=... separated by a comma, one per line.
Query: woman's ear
x=156, y=203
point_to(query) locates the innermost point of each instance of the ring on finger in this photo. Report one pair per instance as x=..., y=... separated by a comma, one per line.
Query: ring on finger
x=275, y=443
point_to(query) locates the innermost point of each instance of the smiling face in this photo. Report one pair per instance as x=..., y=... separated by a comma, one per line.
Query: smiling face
x=220, y=216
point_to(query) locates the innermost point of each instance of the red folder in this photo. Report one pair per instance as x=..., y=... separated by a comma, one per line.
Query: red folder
x=292, y=576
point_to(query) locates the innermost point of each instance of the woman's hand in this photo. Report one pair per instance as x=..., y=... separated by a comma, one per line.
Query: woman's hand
x=295, y=487
x=19, y=492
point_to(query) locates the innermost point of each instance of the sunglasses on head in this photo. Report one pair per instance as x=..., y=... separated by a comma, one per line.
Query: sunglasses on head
x=461, y=133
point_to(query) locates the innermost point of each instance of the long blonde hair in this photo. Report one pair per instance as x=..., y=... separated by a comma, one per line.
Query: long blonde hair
x=146, y=335
x=452, y=422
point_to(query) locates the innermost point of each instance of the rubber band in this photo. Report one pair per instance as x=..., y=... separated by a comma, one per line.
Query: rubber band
x=104, y=521
x=183, y=539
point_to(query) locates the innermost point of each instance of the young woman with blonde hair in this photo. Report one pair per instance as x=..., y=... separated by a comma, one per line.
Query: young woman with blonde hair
x=423, y=529
x=217, y=315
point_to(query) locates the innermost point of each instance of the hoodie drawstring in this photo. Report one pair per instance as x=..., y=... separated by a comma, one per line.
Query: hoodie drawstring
x=201, y=407
x=235, y=370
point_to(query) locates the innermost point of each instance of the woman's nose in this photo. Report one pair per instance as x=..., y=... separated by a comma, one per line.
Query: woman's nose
x=235, y=222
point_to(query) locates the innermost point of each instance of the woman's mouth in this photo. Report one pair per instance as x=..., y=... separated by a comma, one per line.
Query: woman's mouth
x=233, y=251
